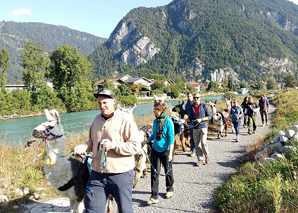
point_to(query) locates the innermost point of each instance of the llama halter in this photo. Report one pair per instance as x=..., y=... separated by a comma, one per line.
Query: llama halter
x=49, y=133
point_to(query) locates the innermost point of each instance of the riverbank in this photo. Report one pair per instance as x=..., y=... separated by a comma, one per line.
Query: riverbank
x=140, y=101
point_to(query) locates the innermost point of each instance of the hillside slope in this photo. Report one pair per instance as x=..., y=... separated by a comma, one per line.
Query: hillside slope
x=13, y=36
x=204, y=39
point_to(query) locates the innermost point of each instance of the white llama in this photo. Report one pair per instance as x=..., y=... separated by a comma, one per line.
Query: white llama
x=59, y=171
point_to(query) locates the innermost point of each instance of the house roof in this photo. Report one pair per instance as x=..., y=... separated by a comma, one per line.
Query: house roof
x=166, y=80
x=101, y=82
x=132, y=80
x=195, y=84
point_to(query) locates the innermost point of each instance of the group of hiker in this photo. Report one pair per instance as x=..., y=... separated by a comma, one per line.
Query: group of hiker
x=113, y=133
x=248, y=110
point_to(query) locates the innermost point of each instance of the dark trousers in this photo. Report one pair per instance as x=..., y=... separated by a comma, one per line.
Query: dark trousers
x=245, y=122
x=101, y=185
x=192, y=142
x=158, y=158
x=264, y=116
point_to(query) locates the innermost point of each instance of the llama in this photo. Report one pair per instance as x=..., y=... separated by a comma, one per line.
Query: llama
x=220, y=119
x=184, y=133
x=58, y=170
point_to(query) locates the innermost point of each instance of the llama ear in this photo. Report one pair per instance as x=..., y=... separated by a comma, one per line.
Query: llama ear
x=48, y=115
x=55, y=115
x=215, y=102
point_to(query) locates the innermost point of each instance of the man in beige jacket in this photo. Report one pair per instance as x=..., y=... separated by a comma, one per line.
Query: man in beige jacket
x=117, y=133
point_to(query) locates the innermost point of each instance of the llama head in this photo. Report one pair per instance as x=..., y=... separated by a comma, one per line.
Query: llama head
x=213, y=107
x=179, y=108
x=51, y=128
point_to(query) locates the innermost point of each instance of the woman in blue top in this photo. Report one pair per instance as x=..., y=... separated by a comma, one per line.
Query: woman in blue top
x=236, y=114
x=162, y=151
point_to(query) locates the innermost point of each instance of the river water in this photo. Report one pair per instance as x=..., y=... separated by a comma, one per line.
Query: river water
x=16, y=131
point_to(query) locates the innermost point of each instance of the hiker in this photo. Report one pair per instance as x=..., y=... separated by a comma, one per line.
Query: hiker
x=251, y=111
x=198, y=117
x=244, y=105
x=162, y=151
x=264, y=107
x=118, y=133
x=236, y=114
x=187, y=110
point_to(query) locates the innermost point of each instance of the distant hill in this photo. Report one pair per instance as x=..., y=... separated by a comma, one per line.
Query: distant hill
x=13, y=36
x=204, y=40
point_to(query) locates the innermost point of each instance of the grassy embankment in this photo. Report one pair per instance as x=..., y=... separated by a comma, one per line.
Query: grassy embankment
x=266, y=186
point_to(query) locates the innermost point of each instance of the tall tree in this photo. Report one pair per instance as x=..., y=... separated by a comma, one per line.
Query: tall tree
x=290, y=81
x=271, y=83
x=4, y=65
x=69, y=70
x=35, y=61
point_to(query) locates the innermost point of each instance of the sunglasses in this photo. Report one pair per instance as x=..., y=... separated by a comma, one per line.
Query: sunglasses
x=196, y=97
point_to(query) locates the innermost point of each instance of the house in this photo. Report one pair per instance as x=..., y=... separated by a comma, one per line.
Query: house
x=140, y=81
x=115, y=80
x=165, y=82
x=243, y=91
x=12, y=87
x=196, y=85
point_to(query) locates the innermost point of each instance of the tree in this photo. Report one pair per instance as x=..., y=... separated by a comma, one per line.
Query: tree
x=213, y=86
x=230, y=82
x=243, y=84
x=35, y=61
x=108, y=85
x=4, y=65
x=261, y=85
x=271, y=83
x=69, y=70
x=157, y=76
x=290, y=81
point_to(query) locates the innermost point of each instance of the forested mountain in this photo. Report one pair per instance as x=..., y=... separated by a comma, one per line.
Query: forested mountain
x=204, y=39
x=13, y=36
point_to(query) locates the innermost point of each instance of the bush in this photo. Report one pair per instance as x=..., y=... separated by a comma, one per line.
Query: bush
x=128, y=100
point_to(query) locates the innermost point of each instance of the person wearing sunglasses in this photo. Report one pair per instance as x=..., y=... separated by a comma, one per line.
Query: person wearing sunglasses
x=198, y=118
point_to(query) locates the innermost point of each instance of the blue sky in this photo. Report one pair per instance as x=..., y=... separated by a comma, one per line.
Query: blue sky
x=98, y=17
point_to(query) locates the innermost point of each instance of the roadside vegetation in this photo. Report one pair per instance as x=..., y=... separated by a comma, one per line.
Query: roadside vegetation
x=266, y=186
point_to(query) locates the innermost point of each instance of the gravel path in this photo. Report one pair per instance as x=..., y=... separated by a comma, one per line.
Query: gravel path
x=194, y=186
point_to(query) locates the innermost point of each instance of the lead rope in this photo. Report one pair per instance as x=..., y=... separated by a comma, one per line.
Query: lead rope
x=153, y=166
x=103, y=158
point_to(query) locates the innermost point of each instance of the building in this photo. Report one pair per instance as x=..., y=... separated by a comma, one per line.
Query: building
x=196, y=85
x=115, y=80
x=243, y=91
x=11, y=87
x=140, y=81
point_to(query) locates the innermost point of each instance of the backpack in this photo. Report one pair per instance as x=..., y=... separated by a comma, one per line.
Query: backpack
x=178, y=125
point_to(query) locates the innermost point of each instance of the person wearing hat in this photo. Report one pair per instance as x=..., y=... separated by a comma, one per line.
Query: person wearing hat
x=115, y=133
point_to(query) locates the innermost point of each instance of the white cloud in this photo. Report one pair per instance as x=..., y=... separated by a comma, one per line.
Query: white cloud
x=294, y=1
x=18, y=12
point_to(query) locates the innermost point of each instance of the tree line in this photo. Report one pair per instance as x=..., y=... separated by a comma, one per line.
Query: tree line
x=72, y=76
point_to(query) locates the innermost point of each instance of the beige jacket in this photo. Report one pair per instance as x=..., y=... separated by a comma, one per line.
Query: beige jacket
x=122, y=130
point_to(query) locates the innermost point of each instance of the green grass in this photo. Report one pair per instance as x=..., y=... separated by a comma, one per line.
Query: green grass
x=266, y=186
